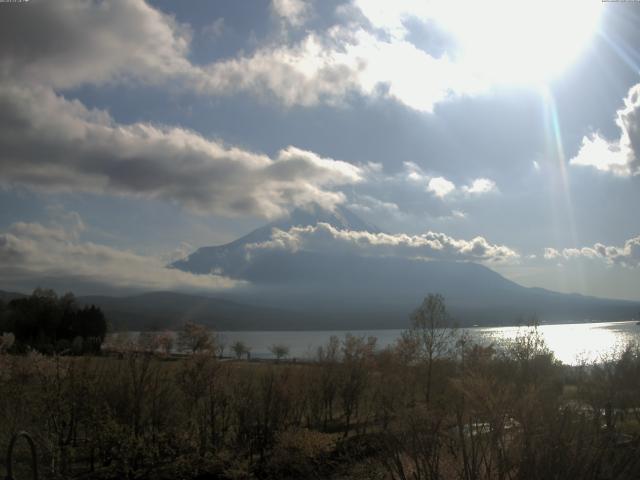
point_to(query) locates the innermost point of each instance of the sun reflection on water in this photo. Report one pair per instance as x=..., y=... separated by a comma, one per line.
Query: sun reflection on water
x=571, y=343
x=574, y=343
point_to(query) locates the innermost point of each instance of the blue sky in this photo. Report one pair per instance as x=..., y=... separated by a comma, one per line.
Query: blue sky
x=135, y=132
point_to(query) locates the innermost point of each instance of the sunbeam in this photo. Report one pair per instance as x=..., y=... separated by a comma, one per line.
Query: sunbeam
x=556, y=153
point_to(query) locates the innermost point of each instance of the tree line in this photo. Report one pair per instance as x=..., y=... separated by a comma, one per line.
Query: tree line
x=49, y=324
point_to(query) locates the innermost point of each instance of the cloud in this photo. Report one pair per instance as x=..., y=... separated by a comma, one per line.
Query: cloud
x=330, y=66
x=91, y=42
x=627, y=255
x=496, y=52
x=440, y=187
x=54, y=144
x=71, y=43
x=369, y=52
x=414, y=173
x=309, y=73
x=31, y=252
x=622, y=156
x=392, y=16
x=369, y=204
x=326, y=238
x=180, y=252
x=551, y=254
x=295, y=12
x=84, y=42
x=480, y=186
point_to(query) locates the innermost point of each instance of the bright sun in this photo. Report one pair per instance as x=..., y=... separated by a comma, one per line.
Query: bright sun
x=524, y=42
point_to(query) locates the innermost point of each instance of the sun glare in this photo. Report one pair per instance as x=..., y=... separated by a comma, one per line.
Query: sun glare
x=527, y=42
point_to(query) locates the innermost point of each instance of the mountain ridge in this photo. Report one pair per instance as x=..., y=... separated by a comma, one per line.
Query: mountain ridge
x=168, y=310
x=307, y=290
x=359, y=291
x=340, y=218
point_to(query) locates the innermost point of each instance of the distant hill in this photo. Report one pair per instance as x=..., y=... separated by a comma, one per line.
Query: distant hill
x=8, y=296
x=169, y=310
x=352, y=291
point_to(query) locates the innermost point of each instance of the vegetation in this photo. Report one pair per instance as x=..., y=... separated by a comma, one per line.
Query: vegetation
x=411, y=411
x=51, y=324
x=240, y=349
x=279, y=351
x=195, y=338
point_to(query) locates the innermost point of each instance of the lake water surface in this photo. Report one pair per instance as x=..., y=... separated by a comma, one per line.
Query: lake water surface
x=571, y=343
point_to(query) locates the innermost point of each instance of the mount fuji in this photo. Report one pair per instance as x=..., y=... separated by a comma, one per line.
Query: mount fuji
x=345, y=290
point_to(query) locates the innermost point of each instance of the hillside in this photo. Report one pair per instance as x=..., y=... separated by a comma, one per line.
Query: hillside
x=339, y=290
x=169, y=310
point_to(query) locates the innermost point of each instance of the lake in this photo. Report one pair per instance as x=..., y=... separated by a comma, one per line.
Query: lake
x=571, y=343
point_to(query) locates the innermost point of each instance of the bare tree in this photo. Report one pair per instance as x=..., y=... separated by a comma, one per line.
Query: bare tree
x=433, y=333
x=357, y=359
x=195, y=338
x=165, y=342
x=240, y=349
x=327, y=358
x=279, y=351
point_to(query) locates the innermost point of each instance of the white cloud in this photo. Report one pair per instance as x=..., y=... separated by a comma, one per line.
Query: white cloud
x=480, y=186
x=65, y=46
x=621, y=156
x=414, y=173
x=31, y=252
x=88, y=42
x=371, y=53
x=496, y=41
x=295, y=12
x=326, y=68
x=391, y=16
x=627, y=255
x=326, y=238
x=308, y=73
x=440, y=187
x=54, y=144
x=551, y=254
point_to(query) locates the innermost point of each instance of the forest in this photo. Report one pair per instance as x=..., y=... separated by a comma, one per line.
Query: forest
x=50, y=324
x=432, y=406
